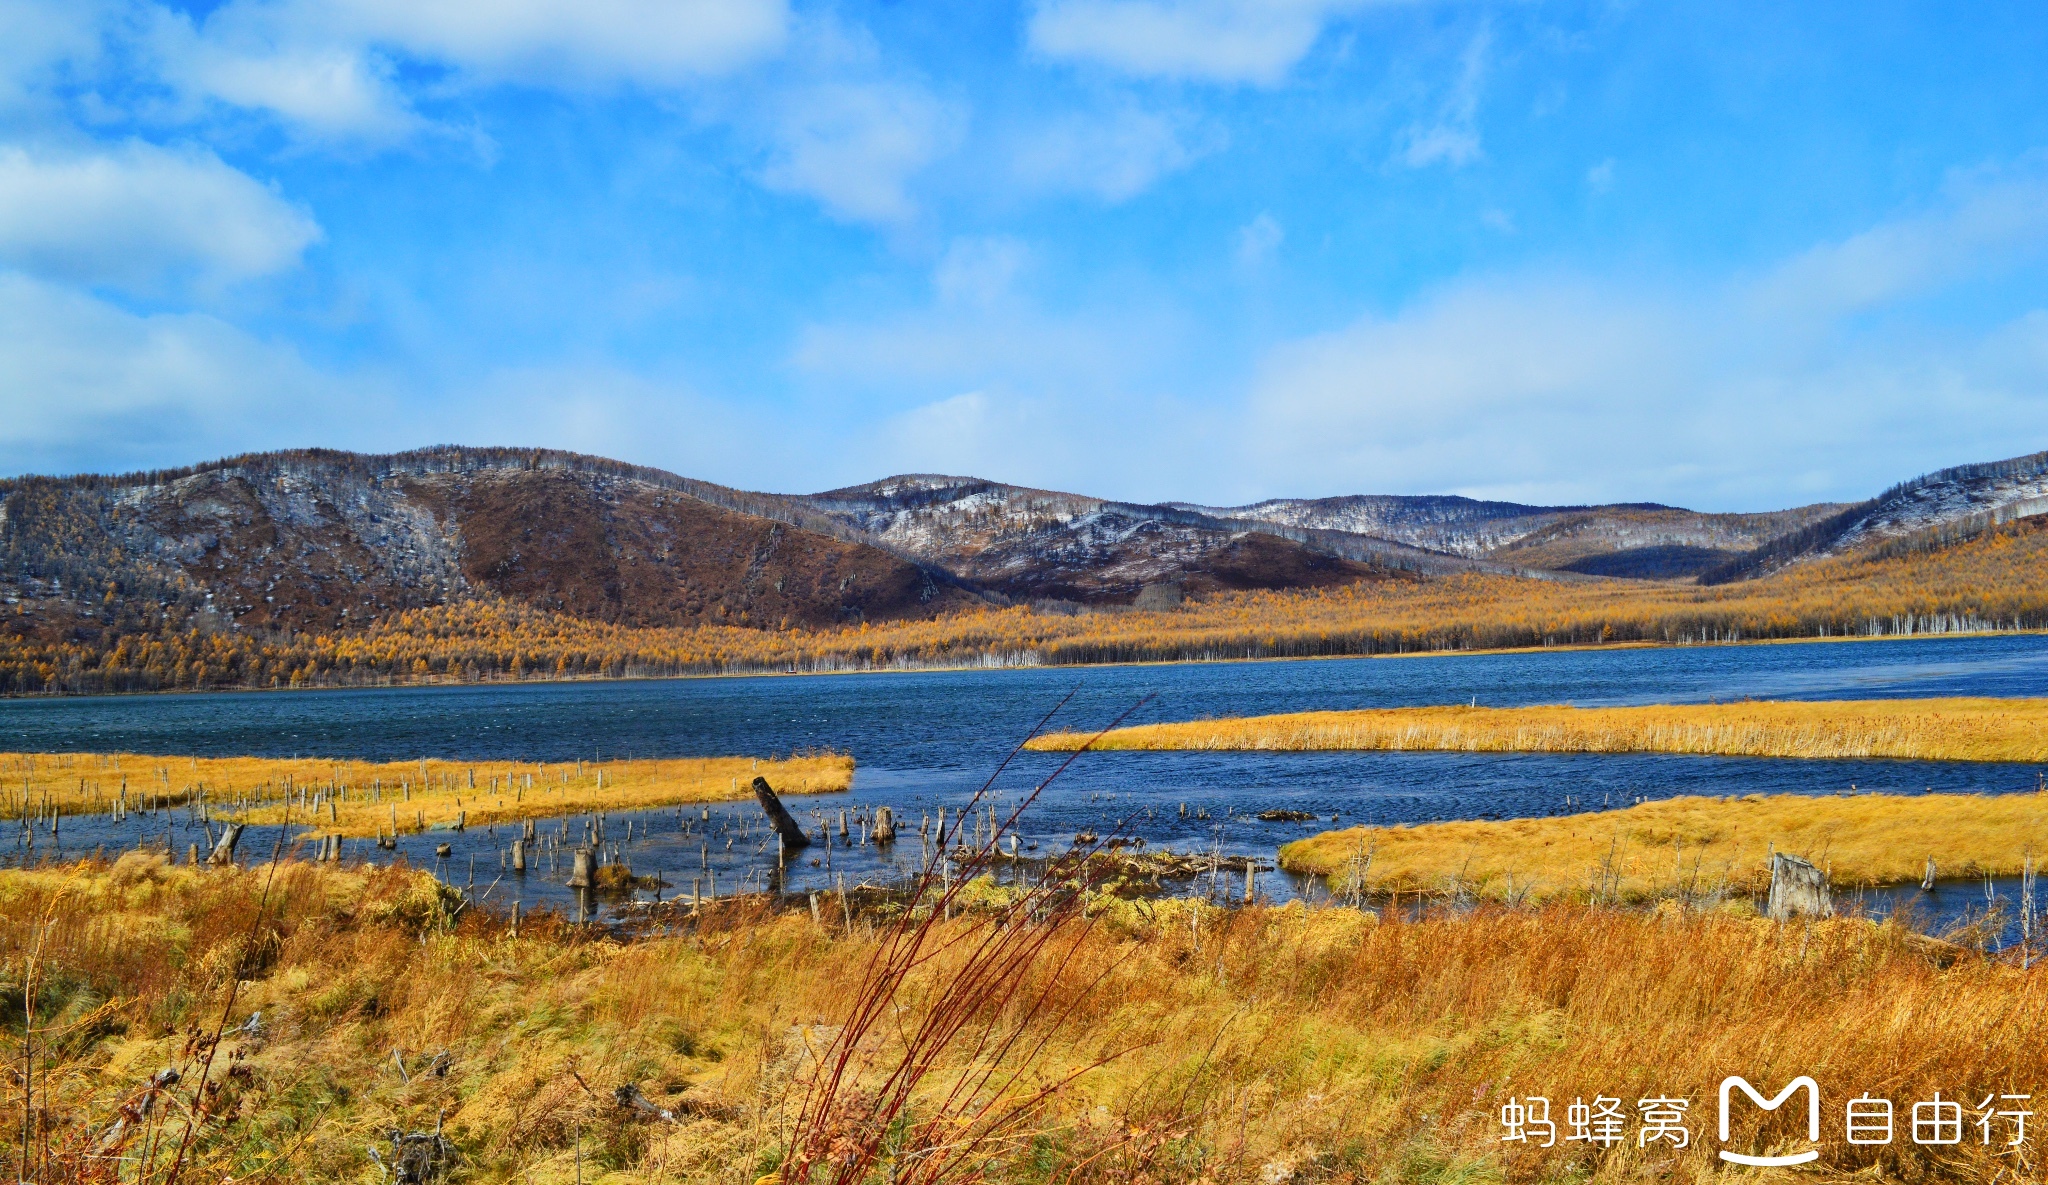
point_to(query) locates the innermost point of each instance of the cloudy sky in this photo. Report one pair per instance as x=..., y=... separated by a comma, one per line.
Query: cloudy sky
x=1724, y=256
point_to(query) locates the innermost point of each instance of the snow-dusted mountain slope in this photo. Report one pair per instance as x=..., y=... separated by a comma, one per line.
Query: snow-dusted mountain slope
x=1609, y=540
x=1031, y=543
x=1956, y=501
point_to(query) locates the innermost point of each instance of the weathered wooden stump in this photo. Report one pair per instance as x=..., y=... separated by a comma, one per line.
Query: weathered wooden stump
x=1798, y=889
x=519, y=855
x=581, y=875
x=224, y=847
x=885, y=825
x=793, y=836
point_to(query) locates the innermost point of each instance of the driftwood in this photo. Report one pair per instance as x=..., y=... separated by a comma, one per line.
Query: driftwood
x=631, y=1100
x=1283, y=816
x=1798, y=889
x=793, y=836
x=224, y=848
x=417, y=1158
x=132, y=1113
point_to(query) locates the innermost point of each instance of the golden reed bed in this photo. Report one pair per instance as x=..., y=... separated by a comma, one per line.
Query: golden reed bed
x=363, y=799
x=1233, y=1047
x=1958, y=729
x=1686, y=846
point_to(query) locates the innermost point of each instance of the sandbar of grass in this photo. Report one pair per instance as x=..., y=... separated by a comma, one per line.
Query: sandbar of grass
x=1951, y=729
x=1687, y=846
x=363, y=799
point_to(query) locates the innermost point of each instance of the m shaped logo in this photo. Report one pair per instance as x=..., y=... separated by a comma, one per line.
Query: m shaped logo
x=1728, y=1086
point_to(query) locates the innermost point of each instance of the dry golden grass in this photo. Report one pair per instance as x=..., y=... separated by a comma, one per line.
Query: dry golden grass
x=1684, y=846
x=1959, y=729
x=362, y=799
x=1262, y=1045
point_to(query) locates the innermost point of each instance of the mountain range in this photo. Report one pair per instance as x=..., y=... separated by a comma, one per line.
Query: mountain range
x=327, y=541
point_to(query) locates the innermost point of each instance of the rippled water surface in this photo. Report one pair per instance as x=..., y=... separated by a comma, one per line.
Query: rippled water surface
x=926, y=740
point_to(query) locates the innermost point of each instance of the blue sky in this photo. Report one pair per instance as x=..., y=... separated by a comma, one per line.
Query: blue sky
x=1724, y=256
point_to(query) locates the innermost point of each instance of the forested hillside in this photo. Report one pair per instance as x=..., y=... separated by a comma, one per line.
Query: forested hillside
x=307, y=568
x=1993, y=580
x=270, y=547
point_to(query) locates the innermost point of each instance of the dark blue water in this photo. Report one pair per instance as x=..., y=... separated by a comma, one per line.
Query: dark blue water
x=925, y=740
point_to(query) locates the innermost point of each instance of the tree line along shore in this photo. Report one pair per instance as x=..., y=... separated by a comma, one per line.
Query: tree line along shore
x=1989, y=583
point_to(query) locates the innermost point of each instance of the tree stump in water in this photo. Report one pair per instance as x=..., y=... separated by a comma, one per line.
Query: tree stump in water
x=1798, y=889
x=580, y=876
x=885, y=825
x=224, y=849
x=793, y=836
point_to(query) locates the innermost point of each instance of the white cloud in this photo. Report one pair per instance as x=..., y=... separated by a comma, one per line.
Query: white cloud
x=1258, y=239
x=327, y=68
x=968, y=433
x=1745, y=395
x=86, y=385
x=36, y=37
x=1114, y=154
x=648, y=42
x=855, y=145
x=651, y=42
x=600, y=408
x=1439, y=143
x=1056, y=440
x=1254, y=41
x=1987, y=224
x=951, y=345
x=1452, y=138
x=140, y=216
x=979, y=271
x=986, y=380
x=1484, y=383
x=329, y=92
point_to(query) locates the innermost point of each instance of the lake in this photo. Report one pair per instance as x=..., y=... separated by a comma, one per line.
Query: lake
x=929, y=739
